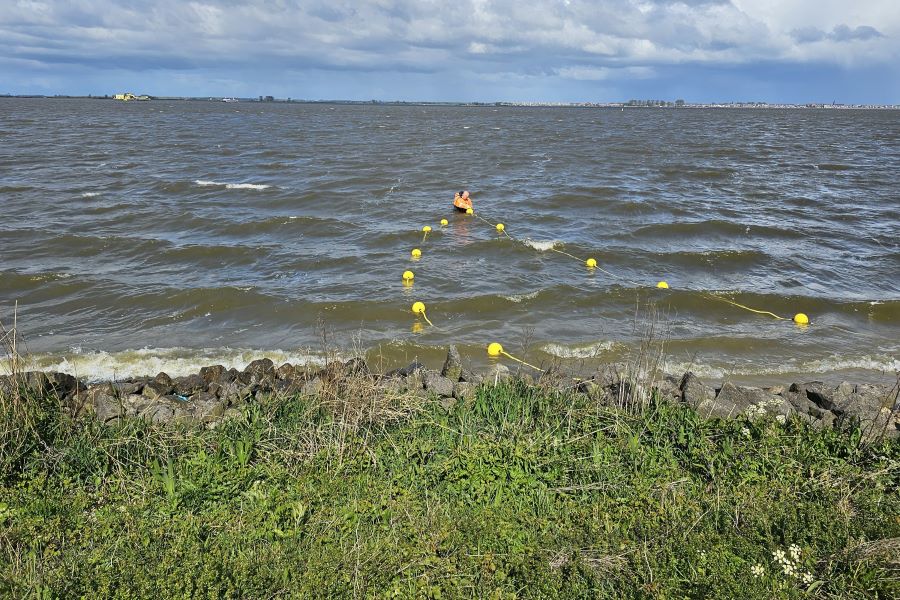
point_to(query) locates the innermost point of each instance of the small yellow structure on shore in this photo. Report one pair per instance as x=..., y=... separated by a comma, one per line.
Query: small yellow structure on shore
x=128, y=96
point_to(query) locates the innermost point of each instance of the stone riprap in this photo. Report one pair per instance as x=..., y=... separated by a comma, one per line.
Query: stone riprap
x=215, y=392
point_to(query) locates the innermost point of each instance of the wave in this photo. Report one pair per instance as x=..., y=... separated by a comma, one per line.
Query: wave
x=543, y=246
x=219, y=255
x=878, y=363
x=109, y=366
x=719, y=258
x=582, y=351
x=89, y=194
x=14, y=282
x=714, y=227
x=520, y=297
x=8, y=189
x=307, y=225
x=233, y=186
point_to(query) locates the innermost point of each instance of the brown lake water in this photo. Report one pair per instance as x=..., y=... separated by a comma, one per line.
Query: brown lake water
x=139, y=237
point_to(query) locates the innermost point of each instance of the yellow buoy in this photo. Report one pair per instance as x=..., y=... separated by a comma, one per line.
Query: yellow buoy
x=662, y=285
x=500, y=227
x=427, y=228
x=801, y=319
x=469, y=211
x=494, y=349
x=444, y=221
x=418, y=308
x=408, y=276
x=416, y=253
x=591, y=263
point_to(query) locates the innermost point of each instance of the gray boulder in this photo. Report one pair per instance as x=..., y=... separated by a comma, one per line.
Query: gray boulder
x=106, y=406
x=436, y=383
x=190, y=385
x=156, y=389
x=697, y=394
x=464, y=390
x=261, y=373
x=668, y=388
x=498, y=373
x=390, y=386
x=733, y=400
x=452, y=368
x=206, y=407
x=120, y=389
x=312, y=387
x=212, y=373
x=408, y=370
x=872, y=408
x=471, y=377
x=285, y=372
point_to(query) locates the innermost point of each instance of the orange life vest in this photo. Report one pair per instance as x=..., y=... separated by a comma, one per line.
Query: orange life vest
x=462, y=203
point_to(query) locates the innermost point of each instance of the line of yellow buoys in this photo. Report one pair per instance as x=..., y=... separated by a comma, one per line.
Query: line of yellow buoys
x=494, y=349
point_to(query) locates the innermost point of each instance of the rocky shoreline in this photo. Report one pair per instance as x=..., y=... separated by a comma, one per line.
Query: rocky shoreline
x=216, y=393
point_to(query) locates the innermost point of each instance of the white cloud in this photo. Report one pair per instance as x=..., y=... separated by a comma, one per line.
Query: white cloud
x=580, y=73
x=576, y=39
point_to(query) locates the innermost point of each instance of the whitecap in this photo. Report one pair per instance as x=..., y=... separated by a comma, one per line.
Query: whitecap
x=593, y=350
x=90, y=194
x=883, y=364
x=544, y=245
x=108, y=366
x=520, y=297
x=233, y=186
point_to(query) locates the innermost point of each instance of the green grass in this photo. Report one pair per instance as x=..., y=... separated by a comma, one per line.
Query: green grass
x=518, y=494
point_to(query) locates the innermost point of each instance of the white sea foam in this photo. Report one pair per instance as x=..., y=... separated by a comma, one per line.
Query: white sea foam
x=100, y=365
x=90, y=194
x=543, y=246
x=882, y=363
x=594, y=350
x=233, y=186
x=520, y=297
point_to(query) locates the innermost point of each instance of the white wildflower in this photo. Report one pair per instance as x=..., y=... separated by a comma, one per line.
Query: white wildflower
x=745, y=432
x=781, y=419
x=757, y=570
x=755, y=412
x=788, y=568
x=795, y=552
x=807, y=578
x=778, y=555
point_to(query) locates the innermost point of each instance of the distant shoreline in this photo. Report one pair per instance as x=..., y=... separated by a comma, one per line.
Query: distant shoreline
x=658, y=104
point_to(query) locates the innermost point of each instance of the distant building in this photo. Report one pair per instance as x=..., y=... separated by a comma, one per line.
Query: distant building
x=128, y=97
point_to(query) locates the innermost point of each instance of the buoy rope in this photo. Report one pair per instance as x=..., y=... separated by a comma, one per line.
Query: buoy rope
x=510, y=356
x=638, y=285
x=424, y=316
x=733, y=303
x=494, y=225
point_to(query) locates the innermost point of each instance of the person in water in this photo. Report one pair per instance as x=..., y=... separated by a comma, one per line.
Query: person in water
x=462, y=202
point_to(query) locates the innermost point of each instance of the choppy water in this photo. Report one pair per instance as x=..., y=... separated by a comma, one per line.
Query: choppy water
x=162, y=235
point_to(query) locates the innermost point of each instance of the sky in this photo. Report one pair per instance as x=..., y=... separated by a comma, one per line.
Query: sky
x=845, y=51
